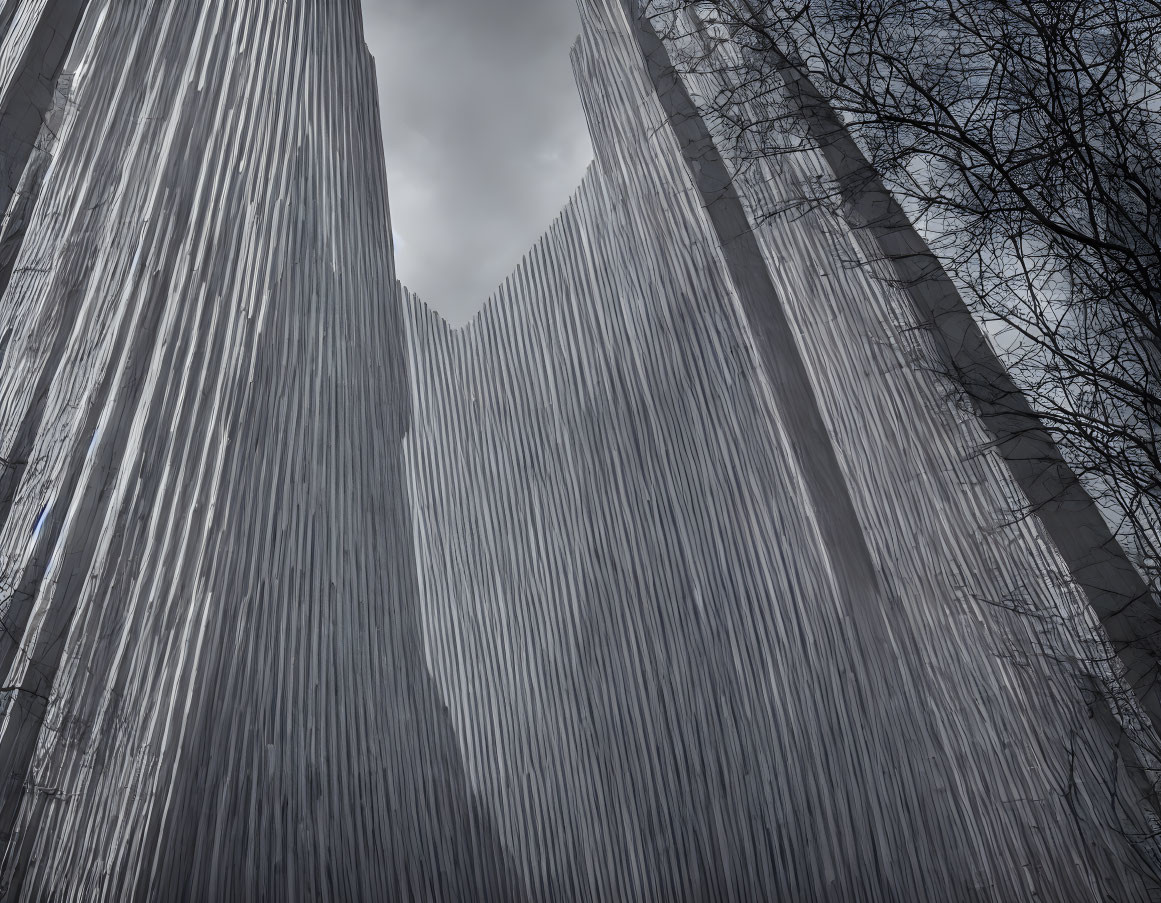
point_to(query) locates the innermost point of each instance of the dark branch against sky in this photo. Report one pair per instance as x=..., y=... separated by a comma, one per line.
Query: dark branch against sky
x=484, y=136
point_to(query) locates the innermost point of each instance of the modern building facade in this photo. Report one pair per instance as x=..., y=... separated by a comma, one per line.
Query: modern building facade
x=680, y=573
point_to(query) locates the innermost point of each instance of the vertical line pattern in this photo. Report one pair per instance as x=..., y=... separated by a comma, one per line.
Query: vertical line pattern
x=308, y=596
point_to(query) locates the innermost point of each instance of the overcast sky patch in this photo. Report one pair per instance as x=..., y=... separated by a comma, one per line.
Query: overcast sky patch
x=484, y=135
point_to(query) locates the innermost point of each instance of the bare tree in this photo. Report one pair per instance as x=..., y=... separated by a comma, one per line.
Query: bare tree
x=1023, y=139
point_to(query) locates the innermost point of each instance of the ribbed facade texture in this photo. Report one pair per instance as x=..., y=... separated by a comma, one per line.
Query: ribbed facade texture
x=216, y=682
x=679, y=573
x=729, y=565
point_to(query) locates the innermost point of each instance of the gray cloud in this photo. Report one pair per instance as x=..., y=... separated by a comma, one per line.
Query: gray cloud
x=484, y=135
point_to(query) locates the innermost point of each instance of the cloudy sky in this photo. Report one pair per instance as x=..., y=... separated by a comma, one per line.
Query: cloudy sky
x=484, y=136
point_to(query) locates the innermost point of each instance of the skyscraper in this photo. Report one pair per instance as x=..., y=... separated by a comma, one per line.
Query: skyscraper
x=217, y=684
